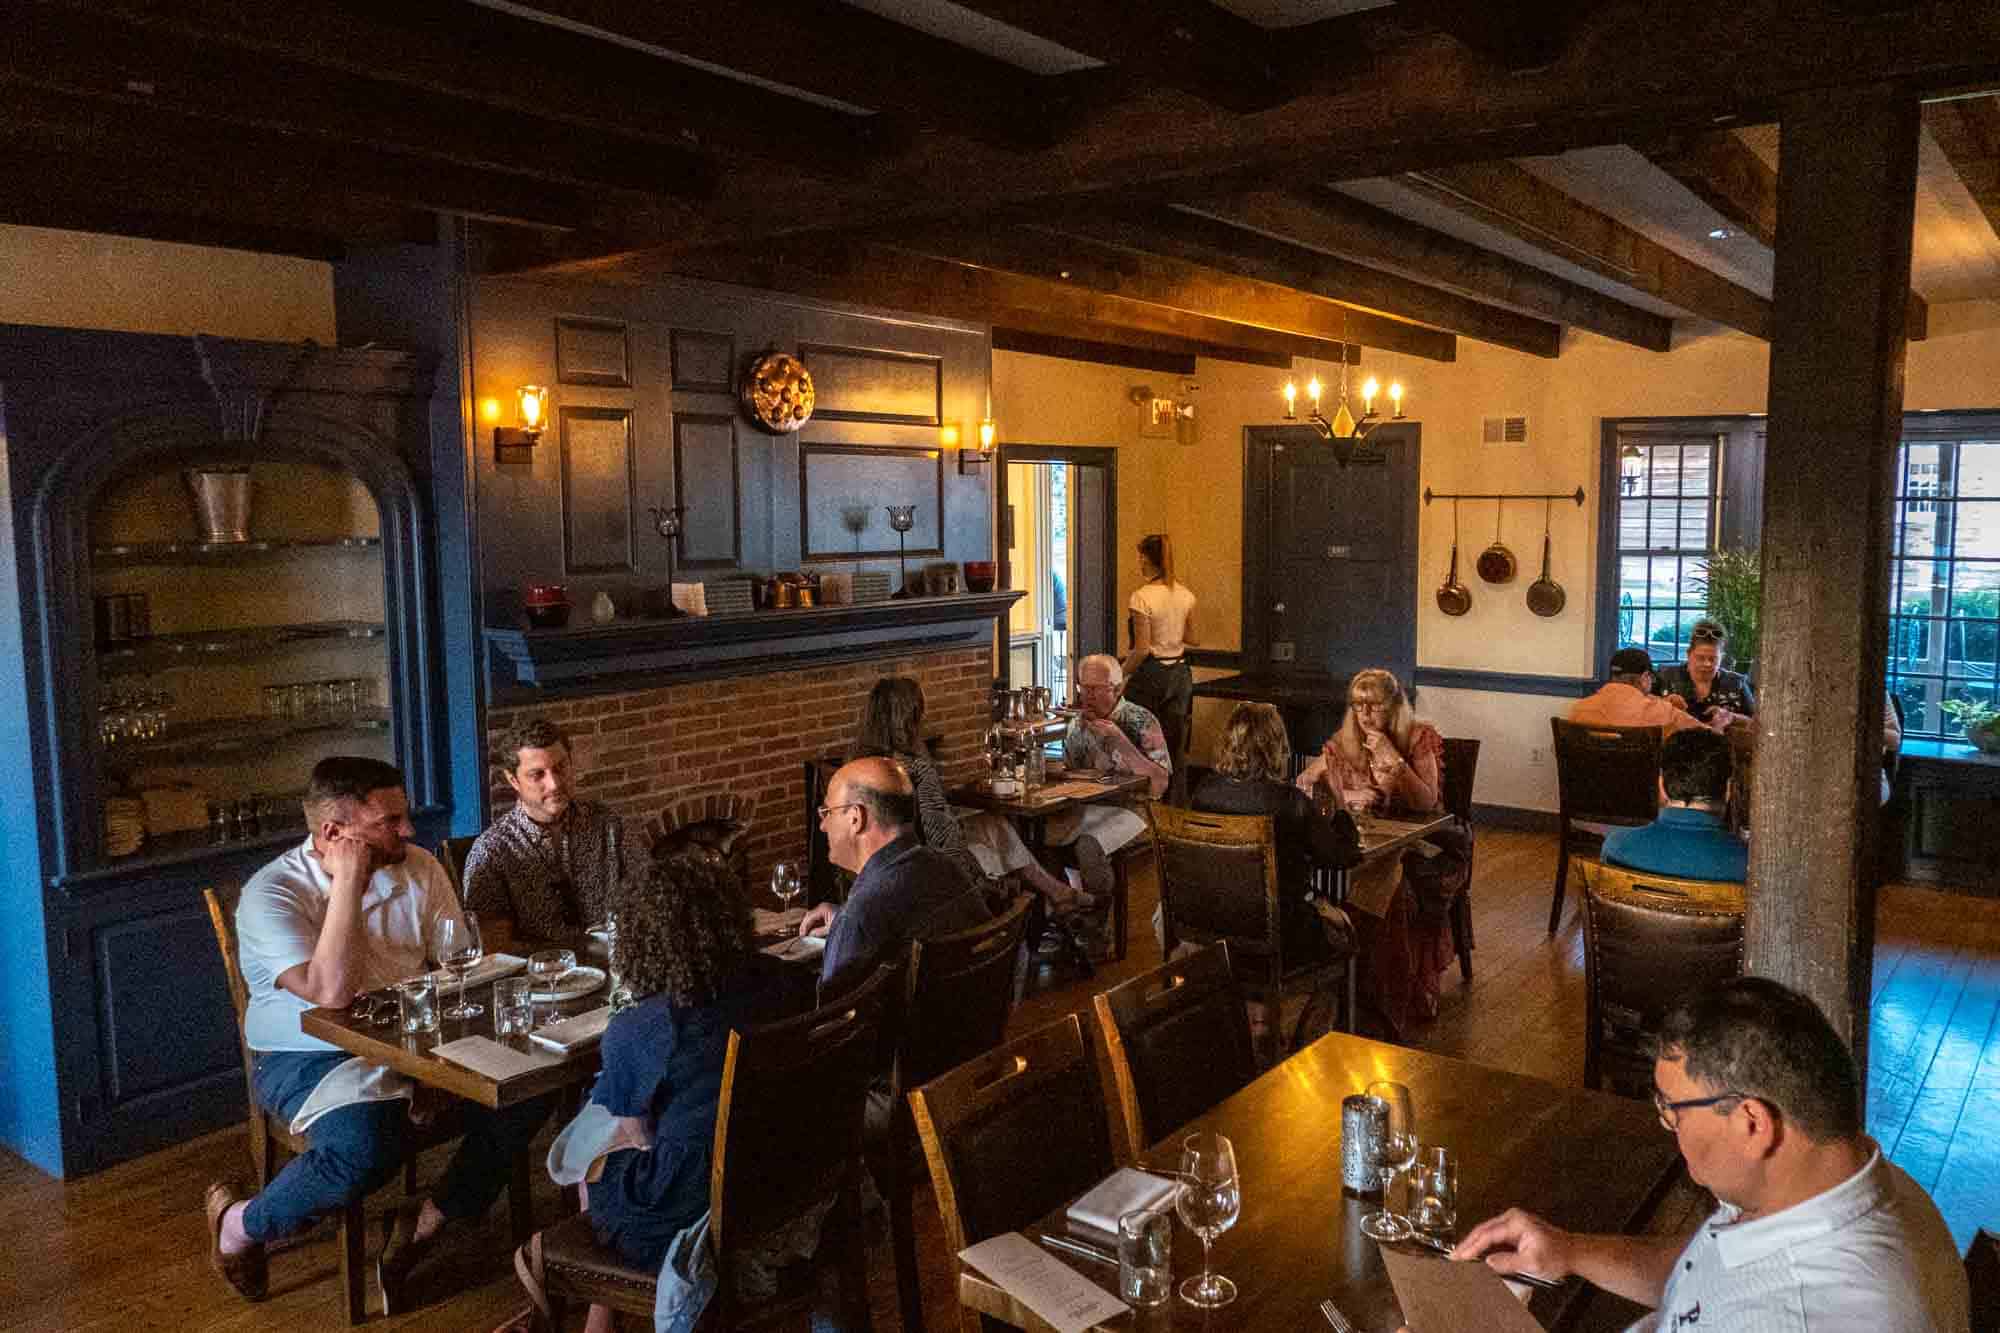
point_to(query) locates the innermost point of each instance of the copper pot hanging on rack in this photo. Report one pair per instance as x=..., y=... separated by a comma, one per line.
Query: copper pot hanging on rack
x=1545, y=596
x=1496, y=564
x=1452, y=597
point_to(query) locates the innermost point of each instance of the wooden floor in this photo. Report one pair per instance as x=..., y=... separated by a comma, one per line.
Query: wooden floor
x=123, y=1251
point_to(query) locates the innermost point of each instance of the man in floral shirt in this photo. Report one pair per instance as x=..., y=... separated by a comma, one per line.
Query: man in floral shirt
x=1110, y=734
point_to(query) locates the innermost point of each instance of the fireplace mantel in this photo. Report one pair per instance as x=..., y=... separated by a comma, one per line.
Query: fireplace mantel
x=539, y=663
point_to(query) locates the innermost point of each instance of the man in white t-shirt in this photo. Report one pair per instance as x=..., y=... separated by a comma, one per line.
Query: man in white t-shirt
x=1817, y=1230
x=351, y=909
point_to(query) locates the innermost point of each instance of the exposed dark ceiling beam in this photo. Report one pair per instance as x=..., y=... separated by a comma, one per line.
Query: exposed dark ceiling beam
x=1120, y=259
x=1371, y=305
x=1968, y=130
x=1330, y=221
x=148, y=71
x=1504, y=196
x=1726, y=174
x=1191, y=45
x=1517, y=38
x=838, y=51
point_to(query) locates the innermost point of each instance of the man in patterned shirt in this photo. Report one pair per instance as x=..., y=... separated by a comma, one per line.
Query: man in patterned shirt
x=1817, y=1229
x=1110, y=734
x=547, y=868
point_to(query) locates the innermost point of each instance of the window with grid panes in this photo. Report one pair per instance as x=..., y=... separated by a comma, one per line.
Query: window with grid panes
x=1944, y=579
x=1669, y=497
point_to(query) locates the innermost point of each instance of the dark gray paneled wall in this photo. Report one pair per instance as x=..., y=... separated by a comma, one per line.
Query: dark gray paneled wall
x=643, y=412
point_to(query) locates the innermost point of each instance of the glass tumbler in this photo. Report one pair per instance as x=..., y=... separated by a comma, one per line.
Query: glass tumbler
x=1145, y=1258
x=1434, y=1190
x=513, y=1011
x=418, y=999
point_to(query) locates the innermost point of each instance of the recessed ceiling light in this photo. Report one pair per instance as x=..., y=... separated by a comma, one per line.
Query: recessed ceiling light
x=1721, y=234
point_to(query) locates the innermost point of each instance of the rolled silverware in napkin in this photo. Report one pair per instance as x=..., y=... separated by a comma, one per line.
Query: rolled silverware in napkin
x=1364, y=1123
x=1077, y=1247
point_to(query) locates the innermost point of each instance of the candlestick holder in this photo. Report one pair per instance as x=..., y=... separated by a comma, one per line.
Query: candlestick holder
x=902, y=518
x=667, y=522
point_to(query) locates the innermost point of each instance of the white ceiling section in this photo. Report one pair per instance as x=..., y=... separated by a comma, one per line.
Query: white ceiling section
x=954, y=23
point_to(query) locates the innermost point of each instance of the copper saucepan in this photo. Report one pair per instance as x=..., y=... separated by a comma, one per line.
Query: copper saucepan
x=1545, y=595
x=1496, y=564
x=1452, y=597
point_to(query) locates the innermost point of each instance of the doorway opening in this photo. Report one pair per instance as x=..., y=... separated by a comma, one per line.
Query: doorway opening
x=1058, y=508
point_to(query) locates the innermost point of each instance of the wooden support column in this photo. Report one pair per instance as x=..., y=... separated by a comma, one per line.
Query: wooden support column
x=1846, y=200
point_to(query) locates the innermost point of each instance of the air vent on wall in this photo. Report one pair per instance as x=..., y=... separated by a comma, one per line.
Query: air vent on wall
x=1509, y=429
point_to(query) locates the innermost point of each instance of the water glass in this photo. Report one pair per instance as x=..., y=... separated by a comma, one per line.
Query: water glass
x=418, y=999
x=513, y=1011
x=1145, y=1257
x=1434, y=1186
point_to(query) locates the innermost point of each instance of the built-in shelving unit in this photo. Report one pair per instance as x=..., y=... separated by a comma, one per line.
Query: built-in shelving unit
x=167, y=650
x=226, y=553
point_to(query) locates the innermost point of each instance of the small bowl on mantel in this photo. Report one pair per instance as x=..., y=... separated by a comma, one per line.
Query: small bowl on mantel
x=980, y=575
x=547, y=615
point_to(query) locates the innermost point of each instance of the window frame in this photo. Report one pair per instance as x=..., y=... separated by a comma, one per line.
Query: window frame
x=1947, y=430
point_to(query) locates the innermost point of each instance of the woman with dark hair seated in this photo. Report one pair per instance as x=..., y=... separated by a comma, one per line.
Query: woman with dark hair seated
x=892, y=726
x=644, y=1142
x=1249, y=779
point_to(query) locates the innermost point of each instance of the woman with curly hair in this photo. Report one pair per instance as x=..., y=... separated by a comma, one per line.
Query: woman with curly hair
x=684, y=951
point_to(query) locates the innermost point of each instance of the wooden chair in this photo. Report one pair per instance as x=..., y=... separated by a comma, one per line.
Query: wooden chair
x=1219, y=881
x=1461, y=765
x=1604, y=775
x=957, y=993
x=269, y=1134
x=1176, y=1041
x=1648, y=940
x=451, y=855
x=1012, y=1134
x=715, y=824
x=1982, y=1275
x=787, y=1134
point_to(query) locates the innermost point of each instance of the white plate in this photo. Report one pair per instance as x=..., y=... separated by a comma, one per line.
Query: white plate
x=580, y=981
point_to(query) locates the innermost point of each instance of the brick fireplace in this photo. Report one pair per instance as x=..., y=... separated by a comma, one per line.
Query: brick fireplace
x=641, y=750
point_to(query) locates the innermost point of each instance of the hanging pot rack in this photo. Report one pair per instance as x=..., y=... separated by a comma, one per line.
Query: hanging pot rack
x=1576, y=495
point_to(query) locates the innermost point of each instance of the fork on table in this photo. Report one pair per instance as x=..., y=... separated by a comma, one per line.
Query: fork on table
x=1335, y=1317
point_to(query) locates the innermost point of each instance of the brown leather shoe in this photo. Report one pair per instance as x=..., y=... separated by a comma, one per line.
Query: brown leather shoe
x=247, y=1271
x=401, y=1253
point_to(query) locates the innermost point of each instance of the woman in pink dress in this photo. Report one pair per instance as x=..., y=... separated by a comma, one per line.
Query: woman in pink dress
x=1384, y=760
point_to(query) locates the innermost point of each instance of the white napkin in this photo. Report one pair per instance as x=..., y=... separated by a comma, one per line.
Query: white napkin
x=692, y=598
x=483, y=1055
x=1123, y=1191
x=488, y=969
x=573, y=1034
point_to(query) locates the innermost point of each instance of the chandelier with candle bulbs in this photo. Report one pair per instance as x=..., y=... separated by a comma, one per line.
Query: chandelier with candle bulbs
x=1344, y=425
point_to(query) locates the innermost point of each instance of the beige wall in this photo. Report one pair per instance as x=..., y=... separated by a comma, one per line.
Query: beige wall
x=81, y=280
x=1195, y=491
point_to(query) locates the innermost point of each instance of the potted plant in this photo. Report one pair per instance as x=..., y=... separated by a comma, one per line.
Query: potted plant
x=1731, y=580
x=1980, y=720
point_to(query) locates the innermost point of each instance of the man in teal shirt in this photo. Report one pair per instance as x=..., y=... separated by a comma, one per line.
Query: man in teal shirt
x=1691, y=839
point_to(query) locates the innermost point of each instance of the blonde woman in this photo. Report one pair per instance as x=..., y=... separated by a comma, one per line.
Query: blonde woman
x=1162, y=627
x=1382, y=759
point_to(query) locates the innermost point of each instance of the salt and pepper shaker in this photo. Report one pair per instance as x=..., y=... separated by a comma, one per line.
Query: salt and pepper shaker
x=1364, y=1124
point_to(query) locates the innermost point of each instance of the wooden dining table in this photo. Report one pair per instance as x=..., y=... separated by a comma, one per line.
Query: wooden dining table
x=1585, y=1160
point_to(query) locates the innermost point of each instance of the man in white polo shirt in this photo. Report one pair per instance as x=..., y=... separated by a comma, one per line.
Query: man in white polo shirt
x=1817, y=1230
x=351, y=909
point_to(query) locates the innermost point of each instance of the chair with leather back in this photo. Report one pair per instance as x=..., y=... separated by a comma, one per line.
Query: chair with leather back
x=1176, y=1041
x=1461, y=766
x=957, y=993
x=1649, y=941
x=270, y=1135
x=1604, y=775
x=1219, y=882
x=787, y=1135
x=1012, y=1134
x=451, y=855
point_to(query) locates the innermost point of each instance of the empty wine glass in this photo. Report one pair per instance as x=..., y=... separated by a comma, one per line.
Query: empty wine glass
x=1399, y=1149
x=1210, y=1200
x=549, y=968
x=459, y=950
x=788, y=886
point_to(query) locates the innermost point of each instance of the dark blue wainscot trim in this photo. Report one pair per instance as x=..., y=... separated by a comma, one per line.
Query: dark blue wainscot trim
x=1506, y=682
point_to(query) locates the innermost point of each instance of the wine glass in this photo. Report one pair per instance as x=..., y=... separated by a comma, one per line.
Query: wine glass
x=548, y=968
x=788, y=886
x=459, y=950
x=1399, y=1150
x=1211, y=1197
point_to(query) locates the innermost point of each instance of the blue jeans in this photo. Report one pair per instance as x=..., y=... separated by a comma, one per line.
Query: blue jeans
x=357, y=1149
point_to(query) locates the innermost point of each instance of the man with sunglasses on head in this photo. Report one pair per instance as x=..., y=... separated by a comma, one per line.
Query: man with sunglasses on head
x=1817, y=1230
x=903, y=890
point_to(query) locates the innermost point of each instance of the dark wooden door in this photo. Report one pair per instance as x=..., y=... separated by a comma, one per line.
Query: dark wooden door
x=1330, y=554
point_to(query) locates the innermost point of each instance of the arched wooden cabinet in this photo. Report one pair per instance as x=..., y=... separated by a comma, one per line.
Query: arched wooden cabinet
x=181, y=688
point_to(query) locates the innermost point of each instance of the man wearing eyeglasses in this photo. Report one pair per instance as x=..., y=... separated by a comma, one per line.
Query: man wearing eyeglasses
x=1816, y=1229
x=902, y=890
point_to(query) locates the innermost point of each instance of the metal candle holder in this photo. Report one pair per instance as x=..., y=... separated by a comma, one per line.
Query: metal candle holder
x=902, y=518
x=667, y=522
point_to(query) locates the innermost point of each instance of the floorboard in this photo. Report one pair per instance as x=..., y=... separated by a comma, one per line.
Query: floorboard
x=123, y=1250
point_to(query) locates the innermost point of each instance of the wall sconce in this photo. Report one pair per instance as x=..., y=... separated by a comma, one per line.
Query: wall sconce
x=516, y=444
x=949, y=434
x=968, y=459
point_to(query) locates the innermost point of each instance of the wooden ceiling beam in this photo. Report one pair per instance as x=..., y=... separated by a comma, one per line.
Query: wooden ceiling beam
x=1119, y=259
x=1517, y=38
x=1723, y=172
x=150, y=71
x=1326, y=220
x=1372, y=306
x=1028, y=331
x=1968, y=130
x=1503, y=195
x=488, y=59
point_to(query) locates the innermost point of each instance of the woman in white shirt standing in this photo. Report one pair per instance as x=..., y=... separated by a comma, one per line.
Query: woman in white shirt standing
x=1162, y=629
